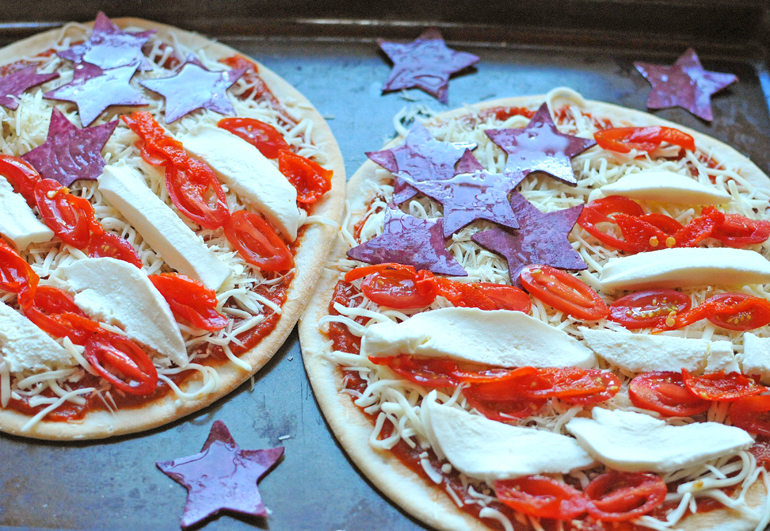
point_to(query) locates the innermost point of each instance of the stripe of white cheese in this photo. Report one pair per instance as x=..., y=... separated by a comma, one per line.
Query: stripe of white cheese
x=248, y=173
x=17, y=221
x=179, y=246
x=756, y=356
x=119, y=293
x=667, y=187
x=489, y=450
x=686, y=266
x=25, y=346
x=501, y=338
x=634, y=442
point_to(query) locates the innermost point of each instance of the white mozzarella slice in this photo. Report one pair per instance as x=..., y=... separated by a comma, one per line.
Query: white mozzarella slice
x=119, y=293
x=161, y=227
x=634, y=442
x=686, y=266
x=25, y=346
x=756, y=357
x=489, y=450
x=249, y=174
x=722, y=358
x=17, y=221
x=666, y=186
x=501, y=338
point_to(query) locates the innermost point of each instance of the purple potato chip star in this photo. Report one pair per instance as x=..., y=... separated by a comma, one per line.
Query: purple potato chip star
x=194, y=87
x=222, y=477
x=17, y=83
x=684, y=84
x=540, y=147
x=93, y=90
x=109, y=46
x=409, y=241
x=467, y=197
x=425, y=63
x=542, y=239
x=70, y=153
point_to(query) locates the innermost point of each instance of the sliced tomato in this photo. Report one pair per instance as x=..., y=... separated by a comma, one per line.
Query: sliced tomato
x=262, y=136
x=430, y=372
x=22, y=176
x=110, y=245
x=55, y=312
x=503, y=411
x=361, y=272
x=190, y=300
x=196, y=192
x=564, y=292
x=721, y=386
x=665, y=393
x=310, y=179
x=16, y=276
x=70, y=218
x=257, y=242
x=699, y=228
x=746, y=313
x=541, y=496
x=624, y=139
x=156, y=143
x=121, y=362
x=398, y=288
x=739, y=231
x=641, y=235
x=761, y=448
x=618, y=496
x=665, y=223
x=752, y=414
x=646, y=309
x=506, y=297
x=599, y=211
x=464, y=295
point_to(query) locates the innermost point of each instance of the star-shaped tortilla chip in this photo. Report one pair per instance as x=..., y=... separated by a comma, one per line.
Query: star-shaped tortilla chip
x=17, y=83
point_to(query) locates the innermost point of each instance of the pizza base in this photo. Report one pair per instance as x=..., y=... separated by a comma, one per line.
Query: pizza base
x=423, y=499
x=309, y=259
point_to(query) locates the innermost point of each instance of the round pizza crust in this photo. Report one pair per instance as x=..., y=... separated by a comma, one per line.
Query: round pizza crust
x=311, y=254
x=423, y=499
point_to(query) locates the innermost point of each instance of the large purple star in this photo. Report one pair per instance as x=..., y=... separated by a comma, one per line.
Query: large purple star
x=409, y=241
x=222, y=477
x=17, y=83
x=425, y=63
x=93, y=90
x=542, y=239
x=540, y=147
x=684, y=84
x=109, y=47
x=423, y=158
x=70, y=153
x=194, y=87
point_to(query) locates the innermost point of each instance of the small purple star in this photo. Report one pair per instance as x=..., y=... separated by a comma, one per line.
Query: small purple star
x=425, y=63
x=540, y=147
x=684, y=84
x=17, y=83
x=222, y=477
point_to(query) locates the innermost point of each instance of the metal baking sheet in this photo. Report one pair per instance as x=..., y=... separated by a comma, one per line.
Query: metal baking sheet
x=114, y=485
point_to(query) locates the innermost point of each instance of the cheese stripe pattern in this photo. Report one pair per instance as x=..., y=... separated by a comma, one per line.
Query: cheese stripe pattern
x=18, y=222
x=666, y=187
x=24, y=346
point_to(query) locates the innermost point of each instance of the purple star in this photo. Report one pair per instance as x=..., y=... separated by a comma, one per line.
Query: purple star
x=540, y=147
x=409, y=241
x=17, y=83
x=70, y=153
x=425, y=63
x=542, y=239
x=423, y=158
x=684, y=84
x=470, y=196
x=222, y=477
x=93, y=90
x=194, y=87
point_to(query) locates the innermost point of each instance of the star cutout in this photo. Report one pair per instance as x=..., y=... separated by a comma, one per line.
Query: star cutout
x=540, y=147
x=542, y=239
x=70, y=153
x=684, y=84
x=470, y=196
x=17, y=83
x=423, y=158
x=222, y=477
x=93, y=90
x=425, y=63
x=194, y=87
x=109, y=47
x=409, y=241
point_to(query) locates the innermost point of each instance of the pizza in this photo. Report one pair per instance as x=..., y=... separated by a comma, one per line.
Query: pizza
x=166, y=205
x=590, y=357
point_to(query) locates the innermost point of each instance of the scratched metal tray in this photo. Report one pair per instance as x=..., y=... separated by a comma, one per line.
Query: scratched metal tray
x=329, y=53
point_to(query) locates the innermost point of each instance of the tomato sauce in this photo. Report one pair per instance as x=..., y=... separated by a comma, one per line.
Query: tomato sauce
x=344, y=293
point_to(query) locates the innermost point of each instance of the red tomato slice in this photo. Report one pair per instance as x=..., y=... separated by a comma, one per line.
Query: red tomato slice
x=698, y=229
x=397, y=289
x=110, y=245
x=599, y=211
x=624, y=139
x=155, y=142
x=646, y=309
x=310, y=179
x=503, y=411
x=564, y=292
x=70, y=218
x=22, y=176
x=746, y=312
x=464, y=295
x=541, y=496
x=430, y=372
x=721, y=386
x=55, y=312
x=196, y=192
x=121, y=362
x=257, y=242
x=761, y=448
x=16, y=276
x=190, y=300
x=262, y=136
x=665, y=223
x=752, y=414
x=506, y=297
x=665, y=393
x=618, y=496
x=739, y=231
x=361, y=272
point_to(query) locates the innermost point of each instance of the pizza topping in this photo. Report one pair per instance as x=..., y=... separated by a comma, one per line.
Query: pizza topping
x=70, y=217
x=752, y=413
x=24, y=346
x=665, y=393
x=122, y=363
x=645, y=139
x=56, y=313
x=620, y=496
x=564, y=292
x=734, y=311
x=262, y=136
x=254, y=86
x=756, y=357
x=22, y=176
x=666, y=187
x=310, y=179
x=648, y=309
x=110, y=245
x=541, y=496
x=16, y=83
x=721, y=386
x=16, y=276
x=18, y=222
x=257, y=242
x=190, y=300
x=740, y=231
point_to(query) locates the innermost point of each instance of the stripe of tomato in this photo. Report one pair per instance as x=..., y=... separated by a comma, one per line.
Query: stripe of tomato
x=257, y=242
x=196, y=192
x=22, y=176
x=156, y=142
x=563, y=292
x=105, y=351
x=70, y=218
x=190, y=300
x=16, y=276
x=599, y=211
x=55, y=312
